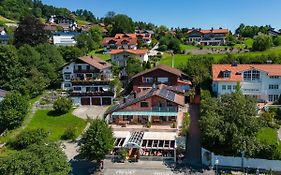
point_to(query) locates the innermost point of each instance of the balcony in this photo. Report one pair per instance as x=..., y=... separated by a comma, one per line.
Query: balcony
x=102, y=93
x=90, y=81
x=165, y=109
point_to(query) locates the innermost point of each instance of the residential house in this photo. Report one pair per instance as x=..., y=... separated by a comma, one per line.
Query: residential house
x=161, y=74
x=214, y=37
x=2, y=94
x=126, y=41
x=120, y=41
x=148, y=123
x=68, y=24
x=88, y=81
x=273, y=32
x=4, y=37
x=120, y=56
x=64, y=38
x=261, y=81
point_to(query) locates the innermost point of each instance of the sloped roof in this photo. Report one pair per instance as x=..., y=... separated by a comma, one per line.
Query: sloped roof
x=162, y=67
x=131, y=51
x=159, y=91
x=206, y=31
x=95, y=61
x=235, y=71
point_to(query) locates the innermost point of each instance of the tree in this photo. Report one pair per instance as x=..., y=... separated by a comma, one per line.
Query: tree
x=13, y=109
x=62, y=105
x=30, y=31
x=133, y=66
x=85, y=42
x=97, y=141
x=277, y=41
x=29, y=137
x=70, y=53
x=262, y=42
x=36, y=159
x=230, y=39
x=198, y=68
x=229, y=124
x=10, y=69
x=122, y=24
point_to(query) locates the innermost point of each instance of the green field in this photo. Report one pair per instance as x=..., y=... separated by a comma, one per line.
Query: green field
x=56, y=125
x=269, y=137
x=98, y=53
x=181, y=59
x=5, y=20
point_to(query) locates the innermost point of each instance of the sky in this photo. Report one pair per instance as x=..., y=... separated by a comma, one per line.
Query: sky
x=186, y=13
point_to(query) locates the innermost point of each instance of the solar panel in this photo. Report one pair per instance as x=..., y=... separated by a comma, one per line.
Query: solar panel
x=167, y=94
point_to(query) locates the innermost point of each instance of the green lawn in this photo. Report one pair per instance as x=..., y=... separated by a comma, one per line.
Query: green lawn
x=248, y=42
x=186, y=47
x=269, y=136
x=98, y=53
x=56, y=125
x=5, y=20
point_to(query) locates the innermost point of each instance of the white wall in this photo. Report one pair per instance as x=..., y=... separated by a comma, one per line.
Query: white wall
x=236, y=162
x=65, y=40
x=258, y=88
x=121, y=59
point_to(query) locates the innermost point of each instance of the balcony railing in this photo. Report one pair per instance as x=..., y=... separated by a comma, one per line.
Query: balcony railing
x=165, y=109
x=90, y=81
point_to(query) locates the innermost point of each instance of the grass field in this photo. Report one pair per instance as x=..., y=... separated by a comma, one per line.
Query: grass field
x=98, y=53
x=5, y=20
x=181, y=59
x=56, y=125
x=269, y=137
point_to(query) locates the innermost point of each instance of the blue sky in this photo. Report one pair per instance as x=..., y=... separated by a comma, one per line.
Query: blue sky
x=186, y=13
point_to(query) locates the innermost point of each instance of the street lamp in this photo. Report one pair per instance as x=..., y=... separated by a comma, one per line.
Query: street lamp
x=217, y=163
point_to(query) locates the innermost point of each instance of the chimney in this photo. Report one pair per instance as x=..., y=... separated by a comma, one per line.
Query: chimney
x=234, y=64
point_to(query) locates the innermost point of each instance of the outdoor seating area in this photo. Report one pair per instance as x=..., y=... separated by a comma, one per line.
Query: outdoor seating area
x=155, y=152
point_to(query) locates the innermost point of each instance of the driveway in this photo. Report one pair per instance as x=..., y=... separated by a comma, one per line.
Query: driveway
x=91, y=112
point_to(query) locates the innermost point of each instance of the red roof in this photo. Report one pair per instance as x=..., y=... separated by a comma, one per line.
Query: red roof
x=131, y=51
x=235, y=71
x=96, y=62
x=213, y=31
x=131, y=41
x=163, y=67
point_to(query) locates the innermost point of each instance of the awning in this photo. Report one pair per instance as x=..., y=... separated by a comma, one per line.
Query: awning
x=143, y=113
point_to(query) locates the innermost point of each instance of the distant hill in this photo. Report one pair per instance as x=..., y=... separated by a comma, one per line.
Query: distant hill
x=13, y=10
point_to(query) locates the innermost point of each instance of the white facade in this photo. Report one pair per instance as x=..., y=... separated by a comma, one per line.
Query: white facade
x=121, y=58
x=265, y=88
x=90, y=82
x=64, y=40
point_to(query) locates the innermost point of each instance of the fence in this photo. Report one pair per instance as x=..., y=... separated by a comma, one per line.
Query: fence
x=210, y=159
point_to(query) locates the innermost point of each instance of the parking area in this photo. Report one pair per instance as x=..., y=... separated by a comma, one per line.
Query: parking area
x=91, y=112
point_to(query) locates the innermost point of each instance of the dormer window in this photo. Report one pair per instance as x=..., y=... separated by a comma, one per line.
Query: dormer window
x=251, y=75
x=226, y=74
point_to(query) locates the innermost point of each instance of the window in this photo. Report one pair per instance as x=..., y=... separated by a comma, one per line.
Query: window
x=223, y=87
x=77, y=88
x=89, y=75
x=229, y=87
x=273, y=86
x=144, y=104
x=226, y=74
x=67, y=77
x=67, y=85
x=88, y=67
x=251, y=75
x=163, y=79
x=273, y=97
x=274, y=77
x=148, y=79
x=79, y=67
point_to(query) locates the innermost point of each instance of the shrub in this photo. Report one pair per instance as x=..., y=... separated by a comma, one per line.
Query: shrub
x=173, y=125
x=185, y=126
x=69, y=134
x=148, y=124
x=62, y=105
x=123, y=153
x=163, y=48
x=29, y=137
